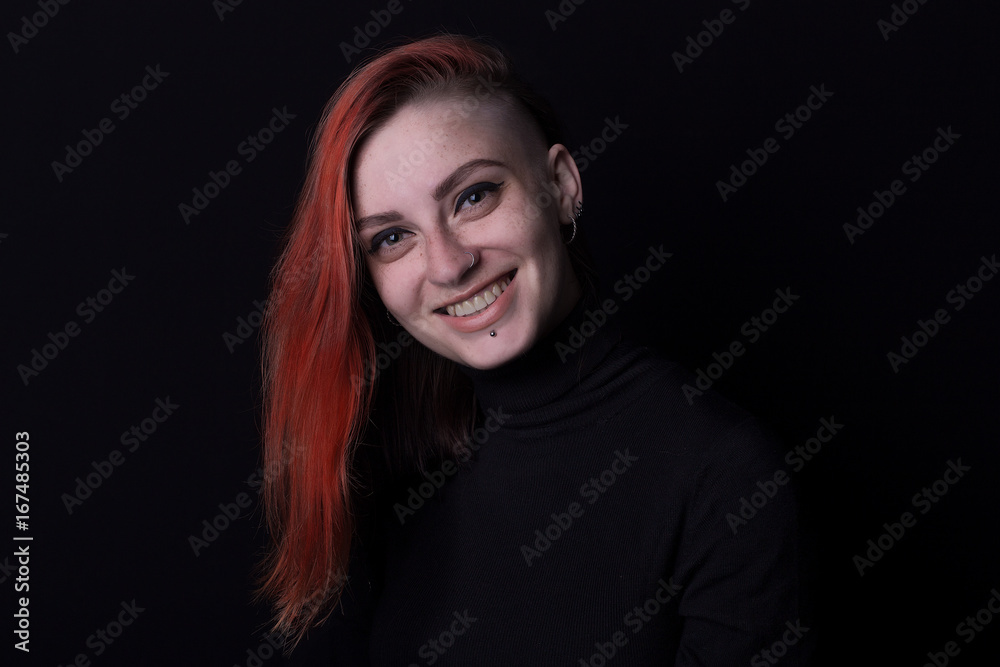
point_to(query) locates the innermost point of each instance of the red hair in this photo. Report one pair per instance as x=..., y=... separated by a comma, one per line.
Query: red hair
x=318, y=336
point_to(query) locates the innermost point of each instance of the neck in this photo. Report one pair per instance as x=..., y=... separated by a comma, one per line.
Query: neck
x=540, y=386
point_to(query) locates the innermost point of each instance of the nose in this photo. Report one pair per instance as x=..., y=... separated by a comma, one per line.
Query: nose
x=448, y=259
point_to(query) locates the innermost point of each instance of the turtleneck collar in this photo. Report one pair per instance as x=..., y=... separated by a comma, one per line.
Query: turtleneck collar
x=555, y=381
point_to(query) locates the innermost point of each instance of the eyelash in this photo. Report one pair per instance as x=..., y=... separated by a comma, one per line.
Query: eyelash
x=478, y=188
x=382, y=236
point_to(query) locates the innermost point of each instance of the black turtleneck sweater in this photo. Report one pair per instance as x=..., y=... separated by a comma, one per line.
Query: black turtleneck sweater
x=598, y=522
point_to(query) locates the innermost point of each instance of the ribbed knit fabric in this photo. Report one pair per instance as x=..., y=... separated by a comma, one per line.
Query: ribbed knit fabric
x=589, y=527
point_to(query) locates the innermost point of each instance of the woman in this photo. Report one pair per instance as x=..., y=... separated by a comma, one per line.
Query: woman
x=527, y=494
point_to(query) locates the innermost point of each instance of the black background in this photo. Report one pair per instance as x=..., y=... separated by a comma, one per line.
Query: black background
x=162, y=336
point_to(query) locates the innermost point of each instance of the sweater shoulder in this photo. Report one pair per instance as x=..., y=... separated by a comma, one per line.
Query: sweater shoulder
x=685, y=424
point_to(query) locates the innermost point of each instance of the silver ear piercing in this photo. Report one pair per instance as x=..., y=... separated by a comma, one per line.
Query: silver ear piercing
x=573, y=219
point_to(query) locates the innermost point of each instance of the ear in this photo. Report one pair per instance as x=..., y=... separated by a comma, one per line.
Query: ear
x=568, y=189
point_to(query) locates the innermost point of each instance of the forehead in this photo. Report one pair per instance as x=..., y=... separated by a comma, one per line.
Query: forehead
x=424, y=141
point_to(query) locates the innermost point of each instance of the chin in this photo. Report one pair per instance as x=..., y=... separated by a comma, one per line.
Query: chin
x=483, y=352
x=489, y=361
x=493, y=353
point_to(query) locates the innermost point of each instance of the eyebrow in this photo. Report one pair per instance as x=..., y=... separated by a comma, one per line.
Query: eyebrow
x=378, y=219
x=442, y=189
x=457, y=176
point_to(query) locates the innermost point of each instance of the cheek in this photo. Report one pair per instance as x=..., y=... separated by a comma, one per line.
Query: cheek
x=381, y=278
x=530, y=221
x=397, y=282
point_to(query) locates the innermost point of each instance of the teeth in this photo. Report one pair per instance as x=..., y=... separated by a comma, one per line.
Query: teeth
x=479, y=301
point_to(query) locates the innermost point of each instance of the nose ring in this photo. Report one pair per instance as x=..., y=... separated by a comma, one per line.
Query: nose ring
x=473, y=258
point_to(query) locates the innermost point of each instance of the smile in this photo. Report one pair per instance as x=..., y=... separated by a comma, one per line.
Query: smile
x=481, y=300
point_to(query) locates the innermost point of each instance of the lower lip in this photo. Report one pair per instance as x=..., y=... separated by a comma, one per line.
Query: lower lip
x=485, y=317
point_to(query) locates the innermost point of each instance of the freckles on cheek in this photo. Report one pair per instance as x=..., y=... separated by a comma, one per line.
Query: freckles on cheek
x=398, y=282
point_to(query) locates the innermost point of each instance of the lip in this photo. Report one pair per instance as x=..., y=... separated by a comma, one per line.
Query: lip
x=485, y=317
x=468, y=294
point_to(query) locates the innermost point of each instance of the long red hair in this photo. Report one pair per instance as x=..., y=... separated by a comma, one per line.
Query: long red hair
x=318, y=339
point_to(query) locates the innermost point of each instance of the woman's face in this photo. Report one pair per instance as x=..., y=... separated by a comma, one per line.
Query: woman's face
x=437, y=182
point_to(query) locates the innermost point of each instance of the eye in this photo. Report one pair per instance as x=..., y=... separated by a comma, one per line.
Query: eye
x=388, y=238
x=474, y=195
